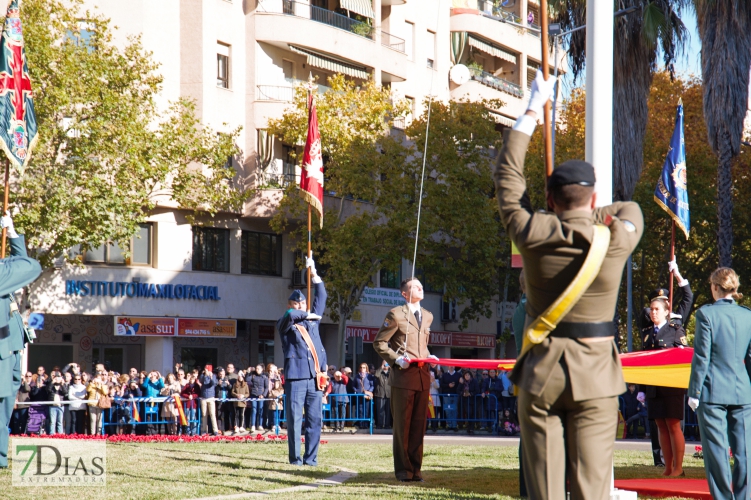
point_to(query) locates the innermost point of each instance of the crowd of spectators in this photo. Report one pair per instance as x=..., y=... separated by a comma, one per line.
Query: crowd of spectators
x=246, y=401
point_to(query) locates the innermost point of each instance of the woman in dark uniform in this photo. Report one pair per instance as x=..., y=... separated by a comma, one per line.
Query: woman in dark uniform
x=662, y=330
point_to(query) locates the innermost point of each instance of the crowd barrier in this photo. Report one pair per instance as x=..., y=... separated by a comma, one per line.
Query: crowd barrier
x=474, y=411
x=690, y=422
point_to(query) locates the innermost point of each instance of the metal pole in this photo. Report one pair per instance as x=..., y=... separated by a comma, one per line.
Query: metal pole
x=599, y=100
x=629, y=304
x=672, y=256
x=546, y=74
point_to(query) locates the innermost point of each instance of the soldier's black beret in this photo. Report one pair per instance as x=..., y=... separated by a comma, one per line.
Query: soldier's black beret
x=660, y=293
x=572, y=172
x=297, y=296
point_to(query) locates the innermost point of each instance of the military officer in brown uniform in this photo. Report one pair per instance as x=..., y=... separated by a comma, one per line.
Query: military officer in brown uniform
x=570, y=382
x=404, y=336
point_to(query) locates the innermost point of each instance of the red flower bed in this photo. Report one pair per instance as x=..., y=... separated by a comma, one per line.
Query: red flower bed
x=129, y=438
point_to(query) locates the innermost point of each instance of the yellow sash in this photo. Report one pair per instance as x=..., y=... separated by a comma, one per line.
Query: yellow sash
x=549, y=319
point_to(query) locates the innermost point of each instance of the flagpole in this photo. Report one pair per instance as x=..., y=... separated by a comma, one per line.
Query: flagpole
x=5, y=205
x=310, y=226
x=672, y=257
x=546, y=74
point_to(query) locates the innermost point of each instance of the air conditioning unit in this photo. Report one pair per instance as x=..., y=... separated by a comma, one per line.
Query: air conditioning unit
x=448, y=311
x=299, y=279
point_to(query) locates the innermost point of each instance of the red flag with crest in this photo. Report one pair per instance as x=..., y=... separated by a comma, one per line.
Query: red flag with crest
x=311, y=177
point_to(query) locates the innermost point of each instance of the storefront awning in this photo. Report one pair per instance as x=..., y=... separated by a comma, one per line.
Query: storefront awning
x=491, y=49
x=362, y=7
x=329, y=63
x=503, y=120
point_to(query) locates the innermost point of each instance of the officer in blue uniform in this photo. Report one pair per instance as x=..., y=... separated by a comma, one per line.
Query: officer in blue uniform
x=16, y=271
x=300, y=370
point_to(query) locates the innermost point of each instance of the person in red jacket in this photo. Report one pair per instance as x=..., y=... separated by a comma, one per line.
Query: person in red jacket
x=190, y=392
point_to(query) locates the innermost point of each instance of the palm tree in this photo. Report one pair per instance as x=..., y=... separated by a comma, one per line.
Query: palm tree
x=725, y=59
x=656, y=23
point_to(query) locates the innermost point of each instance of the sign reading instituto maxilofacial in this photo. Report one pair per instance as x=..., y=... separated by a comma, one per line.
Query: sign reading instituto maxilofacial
x=140, y=290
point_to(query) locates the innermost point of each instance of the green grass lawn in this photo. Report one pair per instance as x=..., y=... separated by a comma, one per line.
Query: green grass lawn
x=181, y=470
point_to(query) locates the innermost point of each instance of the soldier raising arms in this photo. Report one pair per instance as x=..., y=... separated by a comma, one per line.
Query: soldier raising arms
x=569, y=383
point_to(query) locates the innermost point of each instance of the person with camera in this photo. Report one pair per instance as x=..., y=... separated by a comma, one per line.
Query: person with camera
x=207, y=388
x=95, y=391
x=364, y=384
x=224, y=409
x=241, y=392
x=258, y=383
x=77, y=397
x=305, y=363
x=152, y=387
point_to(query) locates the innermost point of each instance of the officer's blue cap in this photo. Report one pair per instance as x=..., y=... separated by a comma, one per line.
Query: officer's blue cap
x=297, y=296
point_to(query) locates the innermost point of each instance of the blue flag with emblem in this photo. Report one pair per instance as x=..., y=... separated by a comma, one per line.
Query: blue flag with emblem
x=18, y=125
x=671, y=192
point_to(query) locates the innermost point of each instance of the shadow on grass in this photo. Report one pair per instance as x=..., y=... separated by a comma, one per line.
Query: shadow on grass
x=479, y=481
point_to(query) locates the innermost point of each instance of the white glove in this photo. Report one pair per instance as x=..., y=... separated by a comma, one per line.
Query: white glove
x=312, y=317
x=693, y=403
x=7, y=223
x=403, y=362
x=311, y=265
x=542, y=92
x=673, y=266
x=433, y=356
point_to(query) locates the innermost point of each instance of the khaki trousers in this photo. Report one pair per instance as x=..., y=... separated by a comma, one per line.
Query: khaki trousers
x=208, y=410
x=584, y=455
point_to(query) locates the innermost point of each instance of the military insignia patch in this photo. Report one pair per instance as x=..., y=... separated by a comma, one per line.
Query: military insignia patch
x=386, y=324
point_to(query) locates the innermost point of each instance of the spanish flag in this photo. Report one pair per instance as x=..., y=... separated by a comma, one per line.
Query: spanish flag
x=431, y=407
x=179, y=404
x=136, y=415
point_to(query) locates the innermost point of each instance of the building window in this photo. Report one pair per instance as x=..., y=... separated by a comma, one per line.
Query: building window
x=409, y=37
x=532, y=68
x=261, y=253
x=427, y=286
x=391, y=279
x=210, y=249
x=222, y=65
x=430, y=50
x=288, y=68
x=112, y=253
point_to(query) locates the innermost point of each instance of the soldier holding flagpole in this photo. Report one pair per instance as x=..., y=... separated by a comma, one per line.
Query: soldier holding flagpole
x=18, y=134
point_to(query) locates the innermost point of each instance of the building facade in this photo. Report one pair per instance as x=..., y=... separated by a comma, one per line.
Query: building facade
x=212, y=294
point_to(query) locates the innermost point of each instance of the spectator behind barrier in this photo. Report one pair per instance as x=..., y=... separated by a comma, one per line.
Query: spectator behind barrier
x=240, y=391
x=206, y=382
x=170, y=413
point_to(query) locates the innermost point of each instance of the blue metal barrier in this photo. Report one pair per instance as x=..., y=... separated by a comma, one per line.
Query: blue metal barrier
x=690, y=422
x=473, y=411
x=343, y=409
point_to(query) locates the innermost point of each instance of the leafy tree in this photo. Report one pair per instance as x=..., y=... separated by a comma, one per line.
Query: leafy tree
x=725, y=59
x=106, y=156
x=655, y=25
x=374, y=178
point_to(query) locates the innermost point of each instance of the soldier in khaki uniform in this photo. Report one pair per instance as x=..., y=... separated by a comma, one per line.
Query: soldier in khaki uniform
x=569, y=383
x=403, y=336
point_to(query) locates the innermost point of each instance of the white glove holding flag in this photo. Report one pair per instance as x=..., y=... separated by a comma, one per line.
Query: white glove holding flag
x=433, y=356
x=673, y=266
x=7, y=223
x=403, y=362
x=311, y=265
x=693, y=403
x=542, y=92
x=313, y=316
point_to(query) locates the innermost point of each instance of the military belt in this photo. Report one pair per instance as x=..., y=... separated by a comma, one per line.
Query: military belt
x=572, y=330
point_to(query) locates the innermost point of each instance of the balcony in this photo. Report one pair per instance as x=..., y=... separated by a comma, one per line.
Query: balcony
x=283, y=93
x=497, y=83
x=393, y=42
x=318, y=14
x=286, y=23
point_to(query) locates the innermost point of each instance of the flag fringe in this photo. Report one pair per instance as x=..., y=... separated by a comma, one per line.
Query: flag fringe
x=20, y=167
x=315, y=202
x=676, y=219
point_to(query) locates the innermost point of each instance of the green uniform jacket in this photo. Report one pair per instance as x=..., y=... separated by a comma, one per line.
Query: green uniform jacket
x=400, y=335
x=16, y=271
x=721, y=367
x=553, y=249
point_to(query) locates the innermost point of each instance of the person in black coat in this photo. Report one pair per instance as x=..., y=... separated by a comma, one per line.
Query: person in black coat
x=450, y=392
x=665, y=405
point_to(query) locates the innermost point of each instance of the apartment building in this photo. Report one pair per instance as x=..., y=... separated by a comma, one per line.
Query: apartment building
x=212, y=294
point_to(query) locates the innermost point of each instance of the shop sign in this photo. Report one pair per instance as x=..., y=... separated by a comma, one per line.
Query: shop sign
x=448, y=339
x=368, y=334
x=388, y=297
x=128, y=326
x=132, y=290
x=212, y=328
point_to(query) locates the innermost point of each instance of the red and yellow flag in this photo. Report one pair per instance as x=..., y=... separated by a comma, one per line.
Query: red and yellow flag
x=136, y=415
x=431, y=407
x=311, y=177
x=179, y=404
